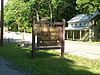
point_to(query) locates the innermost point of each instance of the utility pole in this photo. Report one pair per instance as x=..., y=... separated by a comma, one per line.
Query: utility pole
x=2, y=22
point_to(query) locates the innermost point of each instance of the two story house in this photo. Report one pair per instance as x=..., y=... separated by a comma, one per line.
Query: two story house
x=84, y=27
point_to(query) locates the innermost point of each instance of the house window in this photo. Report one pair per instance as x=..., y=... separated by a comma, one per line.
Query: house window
x=80, y=24
x=75, y=24
x=84, y=24
x=71, y=24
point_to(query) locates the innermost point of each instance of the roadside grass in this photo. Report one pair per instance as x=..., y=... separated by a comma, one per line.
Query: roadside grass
x=49, y=62
x=88, y=42
x=94, y=42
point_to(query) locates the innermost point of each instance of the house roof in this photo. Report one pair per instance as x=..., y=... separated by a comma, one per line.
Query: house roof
x=79, y=18
x=83, y=17
x=93, y=15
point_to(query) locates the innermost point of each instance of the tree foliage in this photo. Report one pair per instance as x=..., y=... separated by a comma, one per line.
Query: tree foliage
x=19, y=13
x=88, y=6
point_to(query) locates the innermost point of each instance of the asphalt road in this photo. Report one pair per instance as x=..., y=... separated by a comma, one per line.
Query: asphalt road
x=5, y=68
x=84, y=49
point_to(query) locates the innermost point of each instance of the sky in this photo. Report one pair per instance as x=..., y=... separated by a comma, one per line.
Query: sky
x=5, y=1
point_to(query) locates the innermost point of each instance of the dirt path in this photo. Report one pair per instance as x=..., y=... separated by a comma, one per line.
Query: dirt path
x=5, y=68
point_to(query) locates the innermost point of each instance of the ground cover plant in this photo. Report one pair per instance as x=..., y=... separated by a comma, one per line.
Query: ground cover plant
x=49, y=62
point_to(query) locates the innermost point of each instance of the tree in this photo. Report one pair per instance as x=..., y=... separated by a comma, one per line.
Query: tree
x=88, y=6
x=19, y=13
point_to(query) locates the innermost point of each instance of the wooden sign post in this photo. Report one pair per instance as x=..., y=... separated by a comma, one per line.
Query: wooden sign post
x=48, y=36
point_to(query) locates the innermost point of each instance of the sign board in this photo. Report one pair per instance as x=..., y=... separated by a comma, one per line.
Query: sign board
x=48, y=35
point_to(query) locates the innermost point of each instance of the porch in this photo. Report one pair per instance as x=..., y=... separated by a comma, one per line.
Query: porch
x=77, y=34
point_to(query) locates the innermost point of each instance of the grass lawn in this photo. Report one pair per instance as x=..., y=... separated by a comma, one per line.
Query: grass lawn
x=49, y=62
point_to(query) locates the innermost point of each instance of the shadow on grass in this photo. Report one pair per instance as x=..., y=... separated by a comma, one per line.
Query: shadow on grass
x=45, y=63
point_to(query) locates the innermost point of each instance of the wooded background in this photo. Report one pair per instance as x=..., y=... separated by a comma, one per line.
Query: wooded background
x=19, y=13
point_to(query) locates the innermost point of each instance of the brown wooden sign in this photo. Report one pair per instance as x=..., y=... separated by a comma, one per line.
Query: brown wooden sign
x=47, y=36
